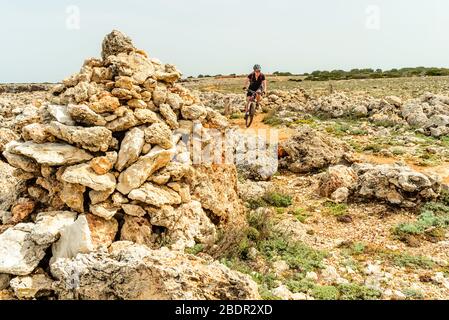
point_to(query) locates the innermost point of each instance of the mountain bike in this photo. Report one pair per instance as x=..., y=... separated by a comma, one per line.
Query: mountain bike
x=253, y=105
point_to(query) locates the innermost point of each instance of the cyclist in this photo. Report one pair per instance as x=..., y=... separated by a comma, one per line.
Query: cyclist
x=257, y=82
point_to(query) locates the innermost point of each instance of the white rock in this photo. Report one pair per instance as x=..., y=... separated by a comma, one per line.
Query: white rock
x=19, y=255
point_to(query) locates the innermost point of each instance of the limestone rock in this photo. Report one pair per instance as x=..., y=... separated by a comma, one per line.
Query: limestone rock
x=18, y=161
x=102, y=165
x=73, y=196
x=100, y=196
x=146, y=116
x=130, y=148
x=84, y=235
x=93, y=138
x=337, y=177
x=32, y=287
x=125, y=122
x=36, y=132
x=21, y=209
x=19, y=255
x=6, y=136
x=84, y=175
x=58, y=113
x=115, y=43
x=155, y=195
x=49, y=225
x=193, y=112
x=134, y=65
x=10, y=186
x=133, y=210
x=105, y=210
x=149, y=274
x=169, y=115
x=395, y=184
x=137, y=230
x=160, y=134
x=51, y=154
x=83, y=114
x=105, y=103
x=135, y=175
x=309, y=150
x=186, y=225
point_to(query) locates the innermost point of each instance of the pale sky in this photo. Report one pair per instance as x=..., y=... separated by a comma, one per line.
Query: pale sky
x=39, y=42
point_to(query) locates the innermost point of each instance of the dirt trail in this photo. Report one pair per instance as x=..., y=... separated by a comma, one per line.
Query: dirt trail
x=284, y=133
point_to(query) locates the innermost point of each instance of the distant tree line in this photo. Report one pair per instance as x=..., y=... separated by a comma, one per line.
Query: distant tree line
x=375, y=74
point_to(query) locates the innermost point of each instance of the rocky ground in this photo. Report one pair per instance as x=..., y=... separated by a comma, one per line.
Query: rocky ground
x=102, y=196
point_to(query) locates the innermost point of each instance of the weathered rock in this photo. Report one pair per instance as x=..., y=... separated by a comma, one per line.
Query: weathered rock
x=49, y=225
x=135, y=175
x=186, y=225
x=115, y=43
x=169, y=115
x=309, y=150
x=18, y=161
x=21, y=209
x=133, y=64
x=84, y=175
x=56, y=113
x=6, y=136
x=32, y=287
x=81, y=113
x=4, y=281
x=146, y=116
x=19, y=255
x=137, y=104
x=102, y=165
x=337, y=177
x=130, y=148
x=159, y=134
x=137, y=230
x=10, y=186
x=133, y=210
x=206, y=184
x=155, y=195
x=100, y=196
x=51, y=154
x=125, y=122
x=149, y=274
x=92, y=138
x=86, y=234
x=36, y=132
x=73, y=196
x=105, y=104
x=258, y=165
x=395, y=184
x=193, y=112
x=105, y=210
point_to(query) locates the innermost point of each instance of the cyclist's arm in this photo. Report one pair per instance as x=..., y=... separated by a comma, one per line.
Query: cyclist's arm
x=247, y=83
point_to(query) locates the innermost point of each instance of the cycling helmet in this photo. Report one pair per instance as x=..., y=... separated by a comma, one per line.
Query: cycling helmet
x=257, y=67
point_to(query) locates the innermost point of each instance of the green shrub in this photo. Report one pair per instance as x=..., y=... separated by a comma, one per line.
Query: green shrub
x=197, y=248
x=325, y=293
x=278, y=200
x=353, y=291
x=296, y=254
x=336, y=209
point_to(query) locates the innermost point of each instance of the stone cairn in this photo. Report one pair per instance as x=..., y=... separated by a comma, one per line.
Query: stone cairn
x=107, y=160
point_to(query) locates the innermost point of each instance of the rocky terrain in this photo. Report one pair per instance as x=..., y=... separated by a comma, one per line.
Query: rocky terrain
x=121, y=183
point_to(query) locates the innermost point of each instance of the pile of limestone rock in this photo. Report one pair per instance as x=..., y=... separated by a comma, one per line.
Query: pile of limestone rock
x=394, y=184
x=110, y=195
